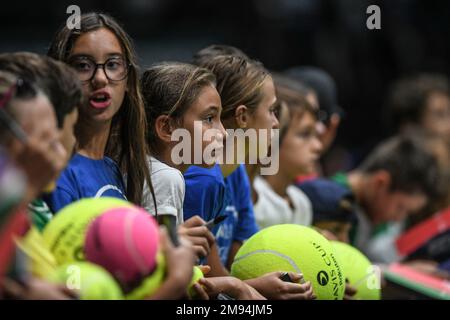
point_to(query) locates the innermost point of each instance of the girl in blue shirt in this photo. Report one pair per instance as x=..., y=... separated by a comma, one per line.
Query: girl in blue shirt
x=248, y=102
x=176, y=96
x=111, y=127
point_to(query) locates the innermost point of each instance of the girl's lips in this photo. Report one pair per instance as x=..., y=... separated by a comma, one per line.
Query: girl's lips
x=100, y=104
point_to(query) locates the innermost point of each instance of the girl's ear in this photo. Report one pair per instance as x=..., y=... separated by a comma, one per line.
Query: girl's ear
x=242, y=116
x=163, y=128
x=382, y=180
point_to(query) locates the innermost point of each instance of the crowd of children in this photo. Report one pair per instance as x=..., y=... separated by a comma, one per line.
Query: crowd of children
x=84, y=122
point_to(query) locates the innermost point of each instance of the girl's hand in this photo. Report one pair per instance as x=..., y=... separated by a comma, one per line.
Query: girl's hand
x=272, y=287
x=194, y=230
x=180, y=262
x=232, y=286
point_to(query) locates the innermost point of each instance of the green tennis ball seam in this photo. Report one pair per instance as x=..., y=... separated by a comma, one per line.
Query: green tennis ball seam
x=279, y=254
x=333, y=288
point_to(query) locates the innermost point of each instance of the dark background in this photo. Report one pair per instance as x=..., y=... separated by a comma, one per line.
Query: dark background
x=331, y=34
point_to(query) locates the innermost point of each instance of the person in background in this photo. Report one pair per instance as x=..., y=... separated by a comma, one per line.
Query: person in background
x=279, y=201
x=61, y=84
x=395, y=181
x=30, y=138
x=249, y=103
x=111, y=127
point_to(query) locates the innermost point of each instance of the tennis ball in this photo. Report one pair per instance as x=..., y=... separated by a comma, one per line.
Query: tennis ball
x=197, y=275
x=65, y=233
x=293, y=248
x=359, y=271
x=124, y=241
x=90, y=281
x=151, y=283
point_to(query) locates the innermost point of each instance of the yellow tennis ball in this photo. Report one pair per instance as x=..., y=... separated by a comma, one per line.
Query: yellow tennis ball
x=293, y=248
x=90, y=281
x=151, y=283
x=360, y=273
x=65, y=233
x=197, y=275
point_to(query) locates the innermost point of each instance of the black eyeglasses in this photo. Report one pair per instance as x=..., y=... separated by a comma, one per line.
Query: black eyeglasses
x=115, y=69
x=21, y=89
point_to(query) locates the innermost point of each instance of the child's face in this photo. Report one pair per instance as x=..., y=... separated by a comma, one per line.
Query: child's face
x=206, y=110
x=37, y=119
x=104, y=96
x=395, y=206
x=68, y=139
x=300, y=148
x=436, y=118
x=44, y=146
x=264, y=115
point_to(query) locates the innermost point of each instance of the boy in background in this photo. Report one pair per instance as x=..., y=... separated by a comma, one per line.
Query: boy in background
x=60, y=83
x=395, y=181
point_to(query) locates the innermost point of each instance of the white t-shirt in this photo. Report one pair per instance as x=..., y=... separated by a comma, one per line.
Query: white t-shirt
x=271, y=209
x=169, y=187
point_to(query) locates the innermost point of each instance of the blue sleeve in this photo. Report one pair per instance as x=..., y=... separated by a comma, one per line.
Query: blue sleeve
x=58, y=199
x=63, y=194
x=204, y=197
x=246, y=225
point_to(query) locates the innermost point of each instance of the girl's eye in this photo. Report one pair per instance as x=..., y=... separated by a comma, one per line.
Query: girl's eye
x=113, y=65
x=82, y=66
x=209, y=119
x=307, y=134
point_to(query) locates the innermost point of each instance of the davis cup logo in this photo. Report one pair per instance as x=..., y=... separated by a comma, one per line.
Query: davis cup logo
x=322, y=278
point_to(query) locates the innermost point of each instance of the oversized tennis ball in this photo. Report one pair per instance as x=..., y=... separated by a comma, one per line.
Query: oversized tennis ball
x=125, y=242
x=65, y=233
x=295, y=248
x=197, y=275
x=90, y=281
x=148, y=286
x=359, y=271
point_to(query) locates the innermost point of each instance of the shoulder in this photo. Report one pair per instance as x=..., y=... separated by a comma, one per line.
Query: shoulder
x=262, y=187
x=111, y=163
x=68, y=179
x=162, y=173
x=168, y=176
x=299, y=198
x=205, y=177
x=297, y=193
x=239, y=176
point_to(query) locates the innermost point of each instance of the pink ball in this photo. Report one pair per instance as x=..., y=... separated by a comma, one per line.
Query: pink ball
x=125, y=242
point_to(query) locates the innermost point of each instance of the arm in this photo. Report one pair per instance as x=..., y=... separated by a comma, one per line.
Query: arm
x=236, y=245
x=232, y=286
x=180, y=261
x=58, y=199
x=217, y=268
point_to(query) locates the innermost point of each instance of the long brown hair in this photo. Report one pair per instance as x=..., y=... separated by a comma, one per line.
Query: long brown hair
x=169, y=88
x=126, y=142
x=239, y=82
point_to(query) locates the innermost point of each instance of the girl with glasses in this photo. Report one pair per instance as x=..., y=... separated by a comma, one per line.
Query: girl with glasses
x=111, y=127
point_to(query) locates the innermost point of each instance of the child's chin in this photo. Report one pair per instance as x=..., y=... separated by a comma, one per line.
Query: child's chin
x=207, y=166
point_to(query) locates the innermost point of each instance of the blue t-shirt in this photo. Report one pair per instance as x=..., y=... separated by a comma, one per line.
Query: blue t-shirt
x=86, y=178
x=209, y=195
x=240, y=223
x=205, y=193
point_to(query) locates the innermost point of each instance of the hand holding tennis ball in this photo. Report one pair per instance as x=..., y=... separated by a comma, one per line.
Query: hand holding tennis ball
x=272, y=286
x=179, y=267
x=294, y=248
